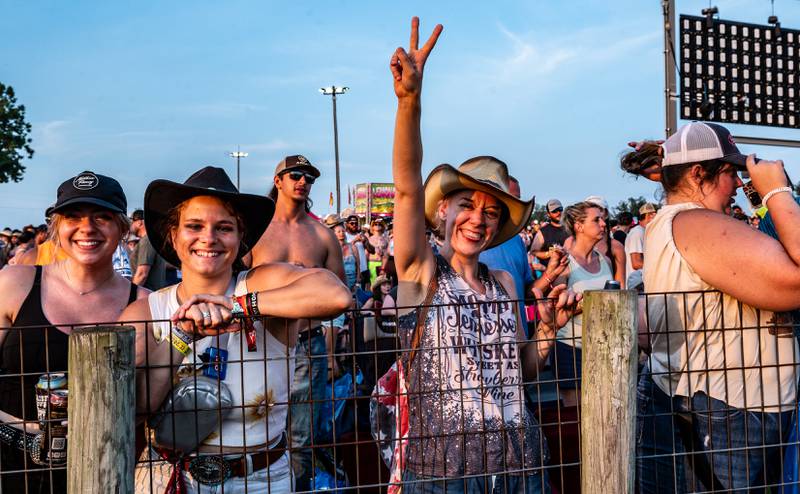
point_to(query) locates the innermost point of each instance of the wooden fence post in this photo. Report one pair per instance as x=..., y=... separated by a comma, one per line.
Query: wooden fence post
x=101, y=445
x=608, y=391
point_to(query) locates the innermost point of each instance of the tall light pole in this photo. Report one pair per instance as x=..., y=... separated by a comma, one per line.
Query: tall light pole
x=238, y=155
x=332, y=91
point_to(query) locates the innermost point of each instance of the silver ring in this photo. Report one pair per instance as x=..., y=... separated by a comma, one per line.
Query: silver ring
x=206, y=315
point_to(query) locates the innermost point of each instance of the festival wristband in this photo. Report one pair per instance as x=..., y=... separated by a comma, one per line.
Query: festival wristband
x=242, y=311
x=180, y=341
x=771, y=193
x=252, y=299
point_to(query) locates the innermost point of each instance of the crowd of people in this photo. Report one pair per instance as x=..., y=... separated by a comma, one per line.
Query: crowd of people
x=475, y=304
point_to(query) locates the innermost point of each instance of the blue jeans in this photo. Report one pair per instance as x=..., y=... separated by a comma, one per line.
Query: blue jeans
x=728, y=447
x=308, y=391
x=536, y=483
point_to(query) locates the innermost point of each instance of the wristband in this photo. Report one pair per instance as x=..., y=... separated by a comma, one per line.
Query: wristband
x=180, y=340
x=771, y=193
x=252, y=299
x=548, y=280
x=240, y=306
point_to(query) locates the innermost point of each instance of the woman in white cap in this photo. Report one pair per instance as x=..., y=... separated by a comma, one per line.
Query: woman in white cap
x=468, y=425
x=45, y=302
x=205, y=226
x=722, y=374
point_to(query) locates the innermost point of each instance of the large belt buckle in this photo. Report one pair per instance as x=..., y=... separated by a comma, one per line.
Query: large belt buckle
x=210, y=469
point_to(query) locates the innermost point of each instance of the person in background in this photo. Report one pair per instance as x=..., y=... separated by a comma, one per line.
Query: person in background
x=149, y=269
x=634, y=247
x=362, y=245
x=380, y=244
x=624, y=225
x=551, y=234
x=613, y=250
x=295, y=237
x=511, y=257
x=350, y=255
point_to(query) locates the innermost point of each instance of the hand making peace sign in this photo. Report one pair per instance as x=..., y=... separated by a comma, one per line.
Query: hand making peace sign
x=407, y=67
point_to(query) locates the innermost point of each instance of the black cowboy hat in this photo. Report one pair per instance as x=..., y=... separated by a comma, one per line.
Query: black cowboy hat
x=163, y=195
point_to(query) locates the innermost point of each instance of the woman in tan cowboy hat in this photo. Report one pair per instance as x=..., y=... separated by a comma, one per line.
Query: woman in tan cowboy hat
x=467, y=416
x=205, y=226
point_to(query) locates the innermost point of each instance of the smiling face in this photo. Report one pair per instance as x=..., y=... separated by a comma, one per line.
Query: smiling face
x=207, y=237
x=471, y=219
x=88, y=234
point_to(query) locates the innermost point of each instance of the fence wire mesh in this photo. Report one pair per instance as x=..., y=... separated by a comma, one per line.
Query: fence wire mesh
x=321, y=410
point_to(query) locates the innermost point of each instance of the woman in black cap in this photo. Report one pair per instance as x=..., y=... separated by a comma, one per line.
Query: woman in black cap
x=88, y=222
x=205, y=226
x=469, y=429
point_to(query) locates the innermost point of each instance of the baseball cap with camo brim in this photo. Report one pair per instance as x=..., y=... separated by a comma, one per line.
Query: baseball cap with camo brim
x=702, y=141
x=296, y=162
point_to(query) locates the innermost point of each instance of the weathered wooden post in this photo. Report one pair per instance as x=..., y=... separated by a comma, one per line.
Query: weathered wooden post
x=101, y=445
x=608, y=391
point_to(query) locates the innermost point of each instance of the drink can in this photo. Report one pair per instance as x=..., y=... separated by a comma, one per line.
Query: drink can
x=47, y=383
x=56, y=439
x=612, y=285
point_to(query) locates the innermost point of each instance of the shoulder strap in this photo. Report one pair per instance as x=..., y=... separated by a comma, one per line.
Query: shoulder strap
x=422, y=311
x=132, y=294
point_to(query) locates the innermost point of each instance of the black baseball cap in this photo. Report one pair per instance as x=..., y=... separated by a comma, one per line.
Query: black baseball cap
x=90, y=188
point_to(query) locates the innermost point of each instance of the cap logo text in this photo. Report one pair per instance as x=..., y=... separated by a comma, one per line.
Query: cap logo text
x=85, y=181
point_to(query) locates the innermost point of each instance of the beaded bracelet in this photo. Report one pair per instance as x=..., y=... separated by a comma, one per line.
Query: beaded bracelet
x=771, y=193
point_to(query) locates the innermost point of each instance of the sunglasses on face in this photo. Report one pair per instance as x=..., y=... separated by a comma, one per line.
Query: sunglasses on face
x=297, y=175
x=557, y=210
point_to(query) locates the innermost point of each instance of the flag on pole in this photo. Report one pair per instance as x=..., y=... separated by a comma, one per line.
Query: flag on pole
x=330, y=201
x=349, y=197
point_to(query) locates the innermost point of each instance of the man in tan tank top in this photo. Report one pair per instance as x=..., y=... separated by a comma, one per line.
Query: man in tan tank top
x=295, y=237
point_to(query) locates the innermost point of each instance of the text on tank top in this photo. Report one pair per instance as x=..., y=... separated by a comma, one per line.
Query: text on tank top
x=466, y=400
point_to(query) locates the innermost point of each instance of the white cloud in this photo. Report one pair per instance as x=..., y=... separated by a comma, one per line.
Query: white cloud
x=50, y=137
x=536, y=59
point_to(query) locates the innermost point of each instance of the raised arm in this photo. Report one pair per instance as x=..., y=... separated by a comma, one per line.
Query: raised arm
x=413, y=258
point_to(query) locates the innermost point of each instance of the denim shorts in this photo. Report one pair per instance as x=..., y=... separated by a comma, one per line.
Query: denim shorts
x=536, y=483
x=567, y=366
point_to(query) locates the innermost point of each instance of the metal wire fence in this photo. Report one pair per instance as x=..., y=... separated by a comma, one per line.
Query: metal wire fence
x=350, y=405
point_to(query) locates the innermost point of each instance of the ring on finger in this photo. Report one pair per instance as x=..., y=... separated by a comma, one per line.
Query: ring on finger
x=206, y=315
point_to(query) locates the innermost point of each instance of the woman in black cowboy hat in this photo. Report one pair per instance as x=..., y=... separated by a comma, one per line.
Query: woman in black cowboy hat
x=205, y=226
x=468, y=425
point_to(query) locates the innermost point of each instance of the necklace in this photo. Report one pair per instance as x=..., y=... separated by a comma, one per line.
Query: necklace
x=93, y=289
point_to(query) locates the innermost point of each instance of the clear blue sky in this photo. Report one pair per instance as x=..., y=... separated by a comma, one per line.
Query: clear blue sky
x=158, y=89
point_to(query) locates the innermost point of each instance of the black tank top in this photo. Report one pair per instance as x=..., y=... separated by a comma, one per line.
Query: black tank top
x=43, y=349
x=553, y=235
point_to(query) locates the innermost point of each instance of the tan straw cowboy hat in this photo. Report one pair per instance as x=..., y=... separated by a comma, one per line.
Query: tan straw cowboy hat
x=486, y=174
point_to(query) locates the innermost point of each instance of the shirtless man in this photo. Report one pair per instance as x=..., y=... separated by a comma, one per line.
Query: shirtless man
x=294, y=237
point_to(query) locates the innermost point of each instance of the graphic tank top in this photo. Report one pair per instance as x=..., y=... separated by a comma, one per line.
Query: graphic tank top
x=467, y=411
